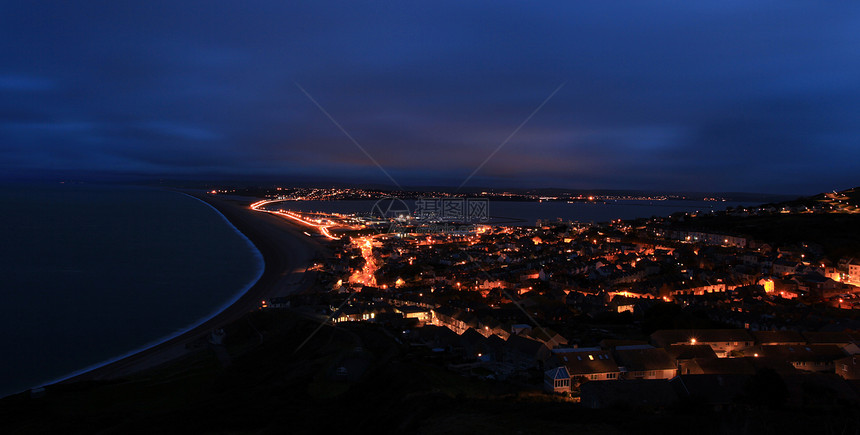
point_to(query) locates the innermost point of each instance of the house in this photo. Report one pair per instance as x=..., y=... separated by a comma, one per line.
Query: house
x=840, y=339
x=719, y=366
x=414, y=312
x=681, y=352
x=778, y=337
x=722, y=341
x=854, y=270
x=436, y=337
x=475, y=345
x=489, y=325
x=810, y=357
x=817, y=285
x=557, y=380
x=621, y=304
x=612, y=343
x=641, y=394
x=638, y=362
x=456, y=320
x=520, y=328
x=354, y=314
x=848, y=367
x=589, y=365
x=694, y=287
x=782, y=267
x=395, y=321
x=684, y=353
x=546, y=336
x=780, y=366
x=525, y=353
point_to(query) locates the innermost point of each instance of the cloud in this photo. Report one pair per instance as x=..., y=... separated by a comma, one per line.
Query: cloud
x=12, y=83
x=705, y=95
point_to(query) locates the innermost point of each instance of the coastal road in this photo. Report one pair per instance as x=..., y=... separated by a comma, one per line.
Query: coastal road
x=287, y=253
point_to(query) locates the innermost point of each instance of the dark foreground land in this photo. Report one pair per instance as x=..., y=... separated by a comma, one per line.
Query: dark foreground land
x=257, y=383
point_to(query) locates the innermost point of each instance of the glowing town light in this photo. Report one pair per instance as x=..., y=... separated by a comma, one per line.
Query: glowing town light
x=323, y=229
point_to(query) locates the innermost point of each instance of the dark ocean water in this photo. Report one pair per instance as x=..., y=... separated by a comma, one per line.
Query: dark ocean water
x=90, y=273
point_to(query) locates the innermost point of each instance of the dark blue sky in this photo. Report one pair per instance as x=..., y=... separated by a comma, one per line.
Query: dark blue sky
x=715, y=96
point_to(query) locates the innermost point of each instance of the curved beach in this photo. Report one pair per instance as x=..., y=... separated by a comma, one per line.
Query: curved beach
x=287, y=252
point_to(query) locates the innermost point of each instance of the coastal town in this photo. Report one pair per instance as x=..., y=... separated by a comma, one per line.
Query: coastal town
x=506, y=218
x=658, y=310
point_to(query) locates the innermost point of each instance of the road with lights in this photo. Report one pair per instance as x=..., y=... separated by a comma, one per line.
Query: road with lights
x=316, y=224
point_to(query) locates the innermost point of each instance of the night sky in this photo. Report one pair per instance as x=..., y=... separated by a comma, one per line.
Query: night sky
x=756, y=96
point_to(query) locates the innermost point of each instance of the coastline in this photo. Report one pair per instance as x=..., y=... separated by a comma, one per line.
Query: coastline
x=285, y=253
x=261, y=266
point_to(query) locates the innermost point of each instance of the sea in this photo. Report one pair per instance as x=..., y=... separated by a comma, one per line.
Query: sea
x=90, y=273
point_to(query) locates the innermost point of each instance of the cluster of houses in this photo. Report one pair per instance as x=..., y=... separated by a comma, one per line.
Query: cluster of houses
x=484, y=295
x=699, y=360
x=612, y=267
x=704, y=358
x=717, y=367
x=714, y=365
x=667, y=354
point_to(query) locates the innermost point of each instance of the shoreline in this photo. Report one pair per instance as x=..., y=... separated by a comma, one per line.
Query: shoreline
x=285, y=253
x=258, y=273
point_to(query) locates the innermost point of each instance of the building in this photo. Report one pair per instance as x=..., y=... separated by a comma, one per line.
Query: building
x=766, y=338
x=840, y=339
x=546, y=336
x=525, y=353
x=783, y=267
x=719, y=366
x=848, y=367
x=809, y=358
x=589, y=365
x=414, y=312
x=854, y=270
x=557, y=380
x=641, y=362
x=722, y=341
x=685, y=354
